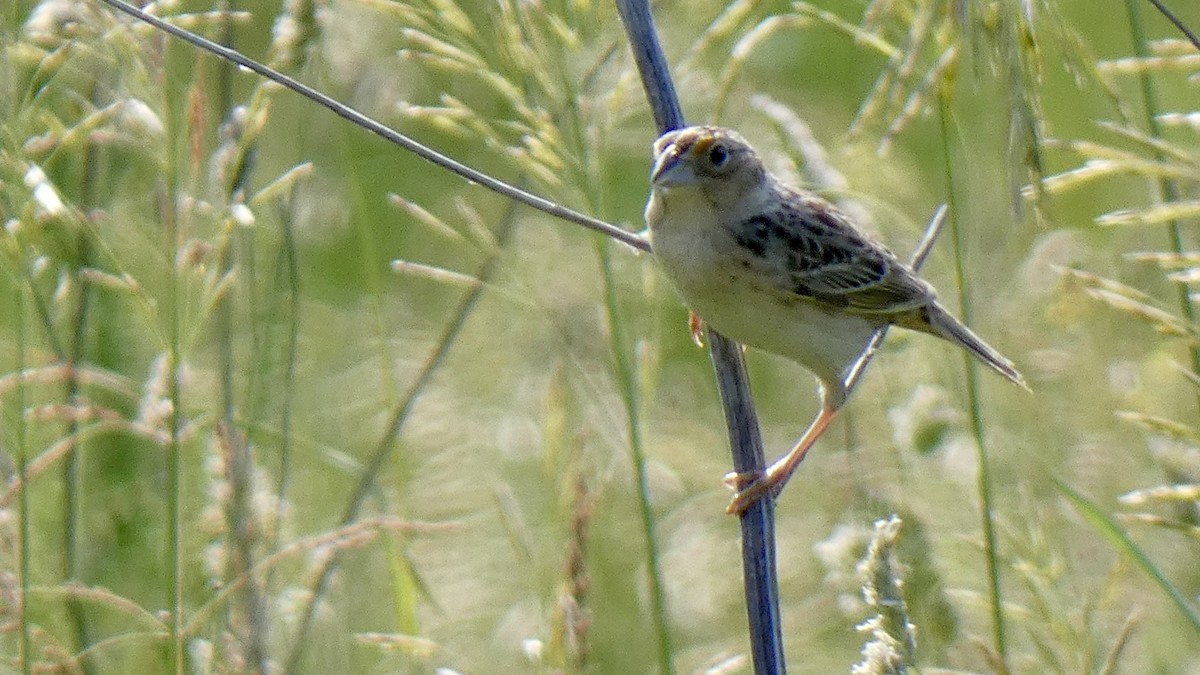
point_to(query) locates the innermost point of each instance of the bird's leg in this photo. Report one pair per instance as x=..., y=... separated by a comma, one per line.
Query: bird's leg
x=696, y=326
x=753, y=487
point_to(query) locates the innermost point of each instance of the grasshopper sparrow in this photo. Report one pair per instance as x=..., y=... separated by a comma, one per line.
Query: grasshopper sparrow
x=783, y=270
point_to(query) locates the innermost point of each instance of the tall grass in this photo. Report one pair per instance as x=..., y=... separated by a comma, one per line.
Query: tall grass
x=260, y=416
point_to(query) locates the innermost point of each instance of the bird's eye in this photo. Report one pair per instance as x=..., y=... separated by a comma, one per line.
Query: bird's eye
x=718, y=155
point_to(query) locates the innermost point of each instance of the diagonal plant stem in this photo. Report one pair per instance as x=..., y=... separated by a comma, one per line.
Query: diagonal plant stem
x=1177, y=22
x=745, y=439
x=1111, y=529
x=916, y=261
x=383, y=131
x=760, y=578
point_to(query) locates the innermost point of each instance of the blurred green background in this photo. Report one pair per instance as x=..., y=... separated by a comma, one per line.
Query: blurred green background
x=305, y=356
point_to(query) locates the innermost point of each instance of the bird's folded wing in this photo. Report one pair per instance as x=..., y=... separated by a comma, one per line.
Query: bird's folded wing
x=806, y=248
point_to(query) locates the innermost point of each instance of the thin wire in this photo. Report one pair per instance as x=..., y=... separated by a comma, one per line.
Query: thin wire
x=379, y=129
x=1191, y=36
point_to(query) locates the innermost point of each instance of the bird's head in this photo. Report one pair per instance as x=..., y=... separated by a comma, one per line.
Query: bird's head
x=717, y=161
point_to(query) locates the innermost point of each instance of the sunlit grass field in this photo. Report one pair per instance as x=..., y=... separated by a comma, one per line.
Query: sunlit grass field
x=281, y=397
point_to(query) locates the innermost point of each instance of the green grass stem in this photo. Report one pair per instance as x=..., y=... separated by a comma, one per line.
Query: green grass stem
x=24, y=568
x=1168, y=189
x=627, y=382
x=168, y=205
x=1107, y=526
x=974, y=410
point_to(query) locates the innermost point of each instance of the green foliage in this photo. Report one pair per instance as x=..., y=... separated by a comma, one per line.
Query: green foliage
x=277, y=396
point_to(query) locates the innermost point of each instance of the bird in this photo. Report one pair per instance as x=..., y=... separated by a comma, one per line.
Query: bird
x=783, y=270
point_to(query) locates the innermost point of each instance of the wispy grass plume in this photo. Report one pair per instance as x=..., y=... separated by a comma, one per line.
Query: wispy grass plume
x=893, y=642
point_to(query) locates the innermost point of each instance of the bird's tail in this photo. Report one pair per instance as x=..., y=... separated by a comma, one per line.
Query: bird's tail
x=935, y=320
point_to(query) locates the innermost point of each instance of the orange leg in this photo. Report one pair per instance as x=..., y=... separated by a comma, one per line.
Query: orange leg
x=751, y=488
x=696, y=326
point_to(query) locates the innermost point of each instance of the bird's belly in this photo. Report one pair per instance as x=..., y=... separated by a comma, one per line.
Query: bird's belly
x=826, y=342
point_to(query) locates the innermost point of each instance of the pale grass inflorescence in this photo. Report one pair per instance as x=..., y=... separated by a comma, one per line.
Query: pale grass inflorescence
x=893, y=642
x=1168, y=158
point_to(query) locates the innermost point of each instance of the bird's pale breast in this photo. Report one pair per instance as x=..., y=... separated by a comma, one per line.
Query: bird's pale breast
x=694, y=248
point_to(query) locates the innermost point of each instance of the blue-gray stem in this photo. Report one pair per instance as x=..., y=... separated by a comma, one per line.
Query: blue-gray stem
x=745, y=439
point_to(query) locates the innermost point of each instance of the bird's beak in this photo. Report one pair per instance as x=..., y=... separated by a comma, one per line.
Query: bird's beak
x=667, y=167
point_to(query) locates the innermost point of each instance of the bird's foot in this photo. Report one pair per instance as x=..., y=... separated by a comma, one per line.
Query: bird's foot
x=752, y=486
x=696, y=326
x=749, y=487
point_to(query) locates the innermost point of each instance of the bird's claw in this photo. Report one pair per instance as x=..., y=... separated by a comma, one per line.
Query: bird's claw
x=749, y=487
x=696, y=326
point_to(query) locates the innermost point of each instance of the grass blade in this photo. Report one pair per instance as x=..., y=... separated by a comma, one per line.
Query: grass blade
x=1108, y=527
